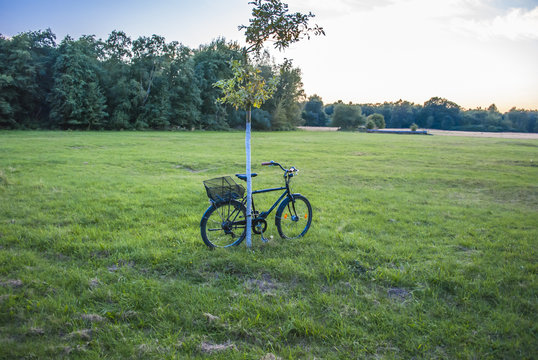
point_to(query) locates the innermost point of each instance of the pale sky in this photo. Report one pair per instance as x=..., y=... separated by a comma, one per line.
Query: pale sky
x=472, y=52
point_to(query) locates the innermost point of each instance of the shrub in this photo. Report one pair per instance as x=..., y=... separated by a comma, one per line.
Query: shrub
x=414, y=127
x=347, y=117
x=378, y=119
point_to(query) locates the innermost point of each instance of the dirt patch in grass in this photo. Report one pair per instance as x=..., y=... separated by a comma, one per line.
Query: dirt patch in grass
x=3, y=179
x=76, y=349
x=399, y=294
x=317, y=128
x=120, y=264
x=211, y=318
x=209, y=348
x=503, y=135
x=84, y=334
x=36, y=331
x=266, y=285
x=270, y=356
x=190, y=169
x=94, y=283
x=11, y=283
x=92, y=317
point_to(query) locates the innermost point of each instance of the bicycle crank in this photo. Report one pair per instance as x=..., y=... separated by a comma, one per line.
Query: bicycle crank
x=259, y=226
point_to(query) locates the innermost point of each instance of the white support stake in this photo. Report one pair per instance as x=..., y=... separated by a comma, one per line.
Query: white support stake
x=249, y=183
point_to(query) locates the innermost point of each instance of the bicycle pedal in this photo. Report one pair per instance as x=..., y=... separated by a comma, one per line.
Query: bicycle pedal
x=264, y=239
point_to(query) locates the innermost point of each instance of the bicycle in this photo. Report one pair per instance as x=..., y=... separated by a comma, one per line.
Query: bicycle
x=224, y=222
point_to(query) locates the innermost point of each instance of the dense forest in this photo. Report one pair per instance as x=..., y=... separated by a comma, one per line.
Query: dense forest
x=122, y=83
x=147, y=83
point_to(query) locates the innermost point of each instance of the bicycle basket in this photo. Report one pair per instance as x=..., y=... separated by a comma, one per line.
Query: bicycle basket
x=223, y=189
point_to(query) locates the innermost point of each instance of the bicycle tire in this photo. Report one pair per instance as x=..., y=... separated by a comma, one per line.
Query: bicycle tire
x=293, y=218
x=224, y=224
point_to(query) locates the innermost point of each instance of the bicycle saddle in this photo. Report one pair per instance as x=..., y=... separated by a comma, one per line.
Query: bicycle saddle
x=244, y=176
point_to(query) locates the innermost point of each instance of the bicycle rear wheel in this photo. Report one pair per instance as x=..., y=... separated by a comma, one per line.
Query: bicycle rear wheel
x=224, y=224
x=293, y=218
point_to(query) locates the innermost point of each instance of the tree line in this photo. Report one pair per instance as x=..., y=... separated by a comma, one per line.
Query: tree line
x=436, y=113
x=120, y=83
x=148, y=83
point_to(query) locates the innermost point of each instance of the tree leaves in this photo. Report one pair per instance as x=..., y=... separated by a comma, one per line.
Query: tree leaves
x=246, y=88
x=271, y=22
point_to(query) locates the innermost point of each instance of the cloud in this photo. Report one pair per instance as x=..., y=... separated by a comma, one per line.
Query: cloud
x=514, y=24
x=335, y=8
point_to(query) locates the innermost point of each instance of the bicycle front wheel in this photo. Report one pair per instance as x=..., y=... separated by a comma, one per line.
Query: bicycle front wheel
x=224, y=224
x=293, y=217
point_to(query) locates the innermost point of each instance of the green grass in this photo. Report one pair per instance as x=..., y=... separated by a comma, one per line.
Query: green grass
x=421, y=247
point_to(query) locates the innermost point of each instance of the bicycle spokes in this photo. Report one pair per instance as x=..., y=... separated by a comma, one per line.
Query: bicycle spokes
x=224, y=225
x=295, y=219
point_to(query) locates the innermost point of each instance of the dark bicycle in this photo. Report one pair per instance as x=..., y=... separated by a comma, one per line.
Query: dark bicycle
x=224, y=222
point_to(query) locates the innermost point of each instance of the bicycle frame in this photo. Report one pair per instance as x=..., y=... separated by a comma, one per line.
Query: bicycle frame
x=287, y=192
x=264, y=214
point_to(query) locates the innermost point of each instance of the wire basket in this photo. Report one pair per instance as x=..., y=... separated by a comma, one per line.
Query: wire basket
x=223, y=189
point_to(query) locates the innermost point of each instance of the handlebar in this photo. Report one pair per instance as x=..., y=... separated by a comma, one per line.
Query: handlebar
x=274, y=163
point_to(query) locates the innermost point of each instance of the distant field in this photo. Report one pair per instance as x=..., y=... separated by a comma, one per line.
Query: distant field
x=421, y=247
x=504, y=135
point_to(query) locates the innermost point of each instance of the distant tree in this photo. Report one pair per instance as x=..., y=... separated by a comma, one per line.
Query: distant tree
x=150, y=61
x=288, y=93
x=119, y=86
x=377, y=119
x=523, y=120
x=184, y=92
x=117, y=47
x=439, y=113
x=26, y=63
x=77, y=101
x=493, y=108
x=347, y=117
x=211, y=64
x=403, y=114
x=313, y=112
x=329, y=110
x=370, y=124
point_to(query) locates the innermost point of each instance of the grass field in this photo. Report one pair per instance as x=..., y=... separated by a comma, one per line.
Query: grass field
x=421, y=247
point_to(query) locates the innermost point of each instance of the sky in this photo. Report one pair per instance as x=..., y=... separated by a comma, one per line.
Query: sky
x=472, y=52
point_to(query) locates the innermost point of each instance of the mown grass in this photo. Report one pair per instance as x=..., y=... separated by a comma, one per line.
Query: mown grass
x=421, y=247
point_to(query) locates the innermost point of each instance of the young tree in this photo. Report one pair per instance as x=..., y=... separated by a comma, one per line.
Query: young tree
x=246, y=89
x=270, y=21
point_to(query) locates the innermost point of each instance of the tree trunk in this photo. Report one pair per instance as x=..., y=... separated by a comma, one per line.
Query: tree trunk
x=249, y=181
